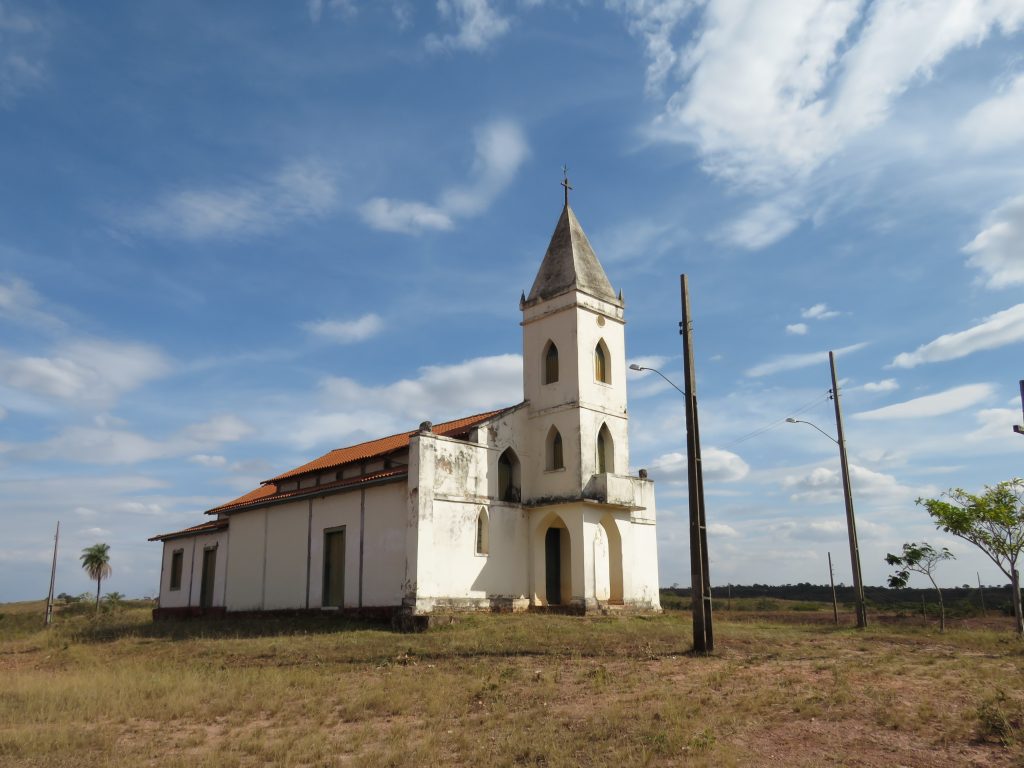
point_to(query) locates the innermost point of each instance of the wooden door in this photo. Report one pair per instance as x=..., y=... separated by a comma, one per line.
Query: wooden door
x=334, y=569
x=209, y=574
x=553, y=565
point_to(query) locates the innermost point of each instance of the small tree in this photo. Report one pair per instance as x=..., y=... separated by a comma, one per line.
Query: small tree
x=993, y=522
x=96, y=562
x=920, y=558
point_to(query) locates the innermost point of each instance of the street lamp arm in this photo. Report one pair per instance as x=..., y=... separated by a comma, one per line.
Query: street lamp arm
x=635, y=367
x=791, y=420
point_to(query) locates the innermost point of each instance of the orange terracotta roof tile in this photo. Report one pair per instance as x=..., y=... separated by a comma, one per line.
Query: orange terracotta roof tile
x=255, y=498
x=195, y=530
x=341, y=456
x=383, y=445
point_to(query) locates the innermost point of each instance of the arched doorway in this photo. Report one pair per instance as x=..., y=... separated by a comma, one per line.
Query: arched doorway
x=555, y=587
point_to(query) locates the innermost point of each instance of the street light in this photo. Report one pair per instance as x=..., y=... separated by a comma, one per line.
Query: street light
x=851, y=524
x=700, y=584
x=635, y=367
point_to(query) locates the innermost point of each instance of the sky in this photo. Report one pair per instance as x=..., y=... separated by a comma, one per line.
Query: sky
x=234, y=236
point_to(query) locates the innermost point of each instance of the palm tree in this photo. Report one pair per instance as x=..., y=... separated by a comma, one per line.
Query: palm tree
x=96, y=562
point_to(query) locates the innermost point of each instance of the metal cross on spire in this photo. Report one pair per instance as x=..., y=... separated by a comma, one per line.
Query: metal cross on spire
x=566, y=184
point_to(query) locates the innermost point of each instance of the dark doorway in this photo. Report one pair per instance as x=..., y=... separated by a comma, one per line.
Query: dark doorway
x=334, y=568
x=553, y=565
x=209, y=572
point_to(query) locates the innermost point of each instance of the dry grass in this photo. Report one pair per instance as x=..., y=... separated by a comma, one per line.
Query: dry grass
x=503, y=690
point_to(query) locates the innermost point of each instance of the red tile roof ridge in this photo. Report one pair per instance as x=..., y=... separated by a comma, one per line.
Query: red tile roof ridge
x=382, y=445
x=253, y=499
x=209, y=525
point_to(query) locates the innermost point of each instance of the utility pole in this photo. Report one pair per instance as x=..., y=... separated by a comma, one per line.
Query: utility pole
x=851, y=523
x=832, y=581
x=703, y=634
x=982, y=594
x=53, y=578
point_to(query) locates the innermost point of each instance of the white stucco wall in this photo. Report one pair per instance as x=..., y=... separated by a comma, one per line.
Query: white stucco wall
x=245, y=561
x=192, y=548
x=287, y=531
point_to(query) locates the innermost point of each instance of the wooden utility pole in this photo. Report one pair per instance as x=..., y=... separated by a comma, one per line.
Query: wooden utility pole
x=851, y=523
x=832, y=581
x=703, y=634
x=53, y=578
x=981, y=592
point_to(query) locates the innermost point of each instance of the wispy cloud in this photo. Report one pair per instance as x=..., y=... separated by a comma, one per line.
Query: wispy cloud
x=477, y=23
x=92, y=371
x=939, y=404
x=345, y=8
x=998, y=250
x=351, y=411
x=20, y=303
x=718, y=465
x=792, y=362
x=347, y=331
x=998, y=330
x=818, y=312
x=297, y=191
x=762, y=225
x=500, y=150
x=885, y=385
x=996, y=123
x=797, y=329
x=23, y=44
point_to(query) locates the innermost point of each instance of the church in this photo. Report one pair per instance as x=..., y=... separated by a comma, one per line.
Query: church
x=524, y=508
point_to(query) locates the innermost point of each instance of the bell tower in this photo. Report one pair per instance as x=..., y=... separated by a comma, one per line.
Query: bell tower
x=574, y=367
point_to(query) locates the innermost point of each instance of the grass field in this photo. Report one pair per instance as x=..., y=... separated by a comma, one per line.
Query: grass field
x=788, y=689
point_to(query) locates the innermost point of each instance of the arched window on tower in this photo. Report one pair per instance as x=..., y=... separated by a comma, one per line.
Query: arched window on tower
x=551, y=363
x=508, y=476
x=605, y=451
x=555, y=458
x=482, y=532
x=602, y=366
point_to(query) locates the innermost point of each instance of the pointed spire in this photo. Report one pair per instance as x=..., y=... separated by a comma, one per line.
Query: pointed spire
x=570, y=262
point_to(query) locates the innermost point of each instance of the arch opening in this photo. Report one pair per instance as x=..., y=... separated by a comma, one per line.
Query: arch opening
x=555, y=455
x=550, y=363
x=509, y=488
x=605, y=450
x=482, y=532
x=602, y=363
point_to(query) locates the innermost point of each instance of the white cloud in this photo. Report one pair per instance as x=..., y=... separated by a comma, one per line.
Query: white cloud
x=297, y=191
x=998, y=330
x=345, y=8
x=206, y=460
x=23, y=43
x=104, y=445
x=721, y=529
x=997, y=123
x=885, y=385
x=352, y=411
x=996, y=428
x=478, y=25
x=500, y=150
x=655, y=21
x=347, y=331
x=825, y=484
x=86, y=371
x=939, y=404
x=3, y=413
x=818, y=312
x=793, y=362
x=998, y=250
x=770, y=91
x=762, y=225
x=19, y=303
x=796, y=329
x=718, y=465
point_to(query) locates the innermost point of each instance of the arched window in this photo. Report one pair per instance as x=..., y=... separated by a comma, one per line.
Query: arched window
x=551, y=363
x=508, y=476
x=602, y=367
x=482, y=534
x=605, y=451
x=555, y=458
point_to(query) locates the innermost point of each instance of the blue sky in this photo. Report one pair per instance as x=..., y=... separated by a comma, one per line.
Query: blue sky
x=235, y=236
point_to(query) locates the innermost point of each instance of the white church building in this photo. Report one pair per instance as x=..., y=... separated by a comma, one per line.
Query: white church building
x=527, y=507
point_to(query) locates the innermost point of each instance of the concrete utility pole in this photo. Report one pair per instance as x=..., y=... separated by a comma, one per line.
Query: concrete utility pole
x=851, y=523
x=53, y=578
x=703, y=634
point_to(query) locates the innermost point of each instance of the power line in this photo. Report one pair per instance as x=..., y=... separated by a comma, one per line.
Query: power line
x=781, y=420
